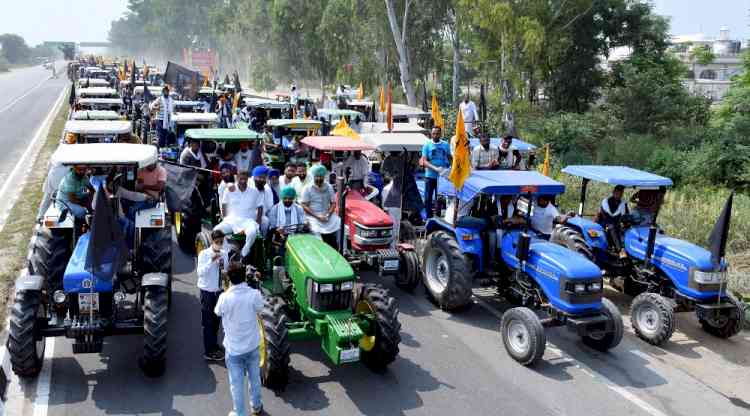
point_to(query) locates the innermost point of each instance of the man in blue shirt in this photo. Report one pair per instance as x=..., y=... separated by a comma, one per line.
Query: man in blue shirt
x=436, y=158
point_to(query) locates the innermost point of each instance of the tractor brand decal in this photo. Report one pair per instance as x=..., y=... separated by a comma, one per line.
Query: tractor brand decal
x=86, y=283
x=541, y=271
x=665, y=261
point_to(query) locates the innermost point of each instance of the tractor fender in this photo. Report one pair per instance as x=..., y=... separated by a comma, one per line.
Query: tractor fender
x=28, y=281
x=155, y=279
x=469, y=239
x=592, y=232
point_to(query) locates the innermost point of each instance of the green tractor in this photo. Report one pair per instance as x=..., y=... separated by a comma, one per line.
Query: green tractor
x=312, y=293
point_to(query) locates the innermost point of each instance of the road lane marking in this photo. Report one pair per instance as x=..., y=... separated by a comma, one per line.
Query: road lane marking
x=14, y=179
x=627, y=395
x=16, y=100
x=41, y=399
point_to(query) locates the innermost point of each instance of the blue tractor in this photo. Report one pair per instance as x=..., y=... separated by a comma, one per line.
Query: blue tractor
x=69, y=290
x=664, y=274
x=529, y=271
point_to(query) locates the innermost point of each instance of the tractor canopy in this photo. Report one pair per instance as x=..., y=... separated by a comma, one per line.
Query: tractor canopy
x=93, y=92
x=337, y=143
x=93, y=82
x=194, y=118
x=516, y=144
x=338, y=114
x=184, y=106
x=96, y=115
x=311, y=257
x=98, y=127
x=222, y=135
x=294, y=124
x=502, y=182
x=618, y=175
x=106, y=154
x=368, y=127
x=396, y=142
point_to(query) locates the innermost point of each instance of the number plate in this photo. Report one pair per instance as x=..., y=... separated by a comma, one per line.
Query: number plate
x=390, y=265
x=350, y=356
x=88, y=302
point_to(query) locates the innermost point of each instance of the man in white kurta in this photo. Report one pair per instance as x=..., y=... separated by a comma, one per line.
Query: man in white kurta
x=237, y=212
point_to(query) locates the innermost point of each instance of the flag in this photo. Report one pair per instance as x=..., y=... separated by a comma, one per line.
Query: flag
x=132, y=78
x=237, y=85
x=382, y=100
x=437, y=117
x=106, y=239
x=360, y=92
x=72, y=97
x=719, y=235
x=205, y=79
x=342, y=129
x=461, y=168
x=545, y=166
x=482, y=105
x=226, y=79
x=424, y=97
x=389, y=110
x=235, y=102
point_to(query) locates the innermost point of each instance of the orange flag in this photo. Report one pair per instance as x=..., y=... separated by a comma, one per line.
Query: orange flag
x=461, y=168
x=382, y=100
x=389, y=110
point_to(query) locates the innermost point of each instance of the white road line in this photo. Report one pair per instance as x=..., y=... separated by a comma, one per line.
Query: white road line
x=14, y=182
x=627, y=395
x=16, y=100
x=41, y=399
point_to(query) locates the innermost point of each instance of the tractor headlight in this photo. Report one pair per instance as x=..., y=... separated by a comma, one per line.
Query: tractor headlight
x=59, y=296
x=708, y=277
x=325, y=288
x=347, y=285
x=579, y=287
x=595, y=287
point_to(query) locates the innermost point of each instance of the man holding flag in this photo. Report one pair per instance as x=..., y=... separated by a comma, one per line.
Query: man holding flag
x=436, y=159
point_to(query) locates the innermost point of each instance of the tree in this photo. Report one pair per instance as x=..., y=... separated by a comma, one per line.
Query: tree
x=15, y=49
x=399, y=37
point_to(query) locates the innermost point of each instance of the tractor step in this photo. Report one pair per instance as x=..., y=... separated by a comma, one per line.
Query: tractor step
x=88, y=347
x=588, y=324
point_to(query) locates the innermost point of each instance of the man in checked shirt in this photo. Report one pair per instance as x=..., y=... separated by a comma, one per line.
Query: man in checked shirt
x=485, y=156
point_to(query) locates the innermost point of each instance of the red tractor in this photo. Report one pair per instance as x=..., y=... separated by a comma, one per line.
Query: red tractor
x=367, y=239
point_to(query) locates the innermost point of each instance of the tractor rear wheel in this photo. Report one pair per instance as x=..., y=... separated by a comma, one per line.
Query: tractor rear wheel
x=274, y=345
x=155, y=316
x=25, y=344
x=652, y=317
x=156, y=255
x=523, y=335
x=408, y=273
x=725, y=326
x=571, y=239
x=609, y=340
x=50, y=252
x=447, y=272
x=381, y=351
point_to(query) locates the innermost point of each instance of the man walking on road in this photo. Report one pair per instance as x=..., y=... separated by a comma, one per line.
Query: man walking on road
x=211, y=261
x=238, y=308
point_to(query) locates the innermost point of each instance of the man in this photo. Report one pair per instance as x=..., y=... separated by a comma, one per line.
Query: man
x=302, y=179
x=647, y=203
x=506, y=218
x=358, y=169
x=289, y=176
x=319, y=202
x=211, y=261
x=238, y=309
x=507, y=153
x=237, y=207
x=294, y=95
x=402, y=192
x=469, y=110
x=242, y=158
x=485, y=156
x=151, y=180
x=192, y=155
x=545, y=216
x=261, y=196
x=436, y=159
x=256, y=154
x=286, y=213
x=224, y=112
x=74, y=192
x=273, y=183
x=164, y=107
x=227, y=180
x=612, y=208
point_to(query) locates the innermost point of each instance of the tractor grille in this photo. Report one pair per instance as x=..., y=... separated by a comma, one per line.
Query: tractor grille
x=334, y=300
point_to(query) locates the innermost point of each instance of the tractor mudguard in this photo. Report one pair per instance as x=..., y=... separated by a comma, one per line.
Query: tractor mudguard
x=553, y=267
x=470, y=242
x=28, y=281
x=436, y=224
x=675, y=258
x=592, y=232
x=155, y=279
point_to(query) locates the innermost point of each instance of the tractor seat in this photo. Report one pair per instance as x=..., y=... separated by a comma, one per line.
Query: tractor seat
x=472, y=222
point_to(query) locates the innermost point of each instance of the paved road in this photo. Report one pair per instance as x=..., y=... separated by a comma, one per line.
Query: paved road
x=26, y=97
x=449, y=365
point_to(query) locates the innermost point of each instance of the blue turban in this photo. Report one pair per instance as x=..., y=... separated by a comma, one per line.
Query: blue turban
x=260, y=171
x=273, y=172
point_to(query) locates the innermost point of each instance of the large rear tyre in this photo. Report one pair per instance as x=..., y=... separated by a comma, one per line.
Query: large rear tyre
x=50, y=252
x=523, y=335
x=379, y=347
x=652, y=317
x=155, y=315
x=447, y=272
x=609, y=340
x=156, y=255
x=724, y=326
x=571, y=239
x=25, y=344
x=408, y=273
x=274, y=345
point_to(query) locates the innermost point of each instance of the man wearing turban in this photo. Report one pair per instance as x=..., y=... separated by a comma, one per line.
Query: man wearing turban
x=319, y=202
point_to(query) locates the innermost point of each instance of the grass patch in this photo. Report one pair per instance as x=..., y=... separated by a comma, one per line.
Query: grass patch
x=20, y=224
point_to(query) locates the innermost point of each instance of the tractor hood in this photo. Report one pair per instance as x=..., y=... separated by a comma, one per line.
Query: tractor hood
x=311, y=256
x=673, y=253
x=552, y=258
x=364, y=212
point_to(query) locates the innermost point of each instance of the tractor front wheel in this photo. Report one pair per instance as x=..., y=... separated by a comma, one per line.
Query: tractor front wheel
x=408, y=274
x=274, y=345
x=447, y=272
x=377, y=353
x=50, y=251
x=652, y=317
x=155, y=316
x=523, y=335
x=724, y=326
x=609, y=340
x=25, y=344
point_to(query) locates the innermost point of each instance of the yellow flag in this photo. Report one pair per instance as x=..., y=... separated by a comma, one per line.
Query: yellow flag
x=360, y=92
x=461, y=168
x=235, y=102
x=545, y=167
x=437, y=117
x=342, y=129
x=205, y=80
x=382, y=100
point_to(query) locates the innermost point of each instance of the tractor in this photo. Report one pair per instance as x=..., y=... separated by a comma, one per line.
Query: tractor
x=61, y=295
x=97, y=131
x=312, y=293
x=664, y=274
x=529, y=272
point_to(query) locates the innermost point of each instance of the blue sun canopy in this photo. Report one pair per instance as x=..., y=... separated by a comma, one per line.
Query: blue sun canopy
x=502, y=182
x=617, y=175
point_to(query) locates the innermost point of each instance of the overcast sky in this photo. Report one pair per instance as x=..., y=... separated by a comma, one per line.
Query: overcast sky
x=89, y=20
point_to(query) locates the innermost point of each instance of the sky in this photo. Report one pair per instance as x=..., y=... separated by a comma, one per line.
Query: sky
x=89, y=20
